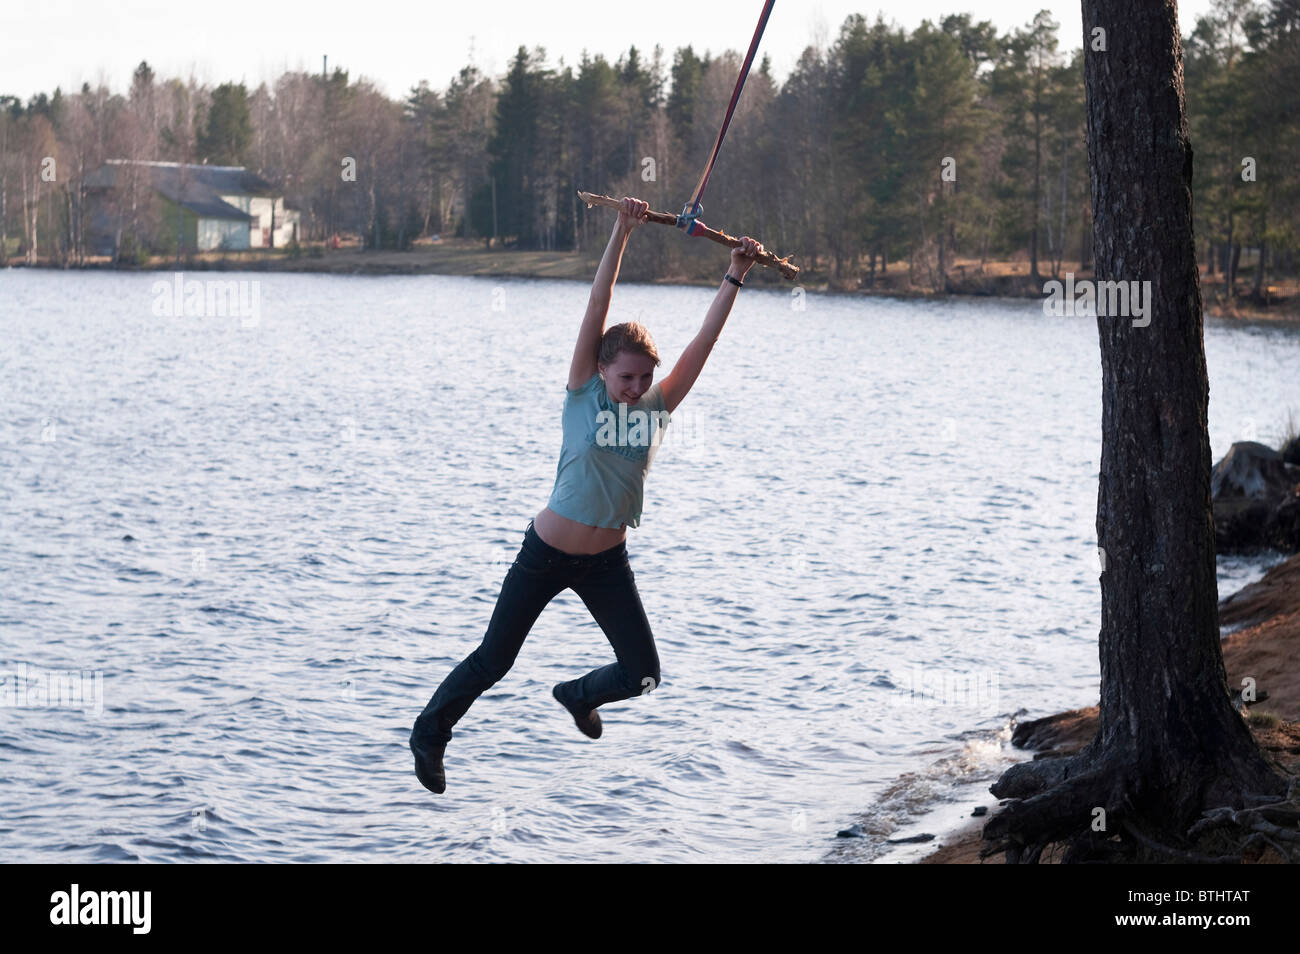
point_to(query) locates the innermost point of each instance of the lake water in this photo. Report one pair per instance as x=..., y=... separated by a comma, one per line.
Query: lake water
x=266, y=539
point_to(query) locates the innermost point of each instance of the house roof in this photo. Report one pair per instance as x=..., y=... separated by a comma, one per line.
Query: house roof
x=197, y=188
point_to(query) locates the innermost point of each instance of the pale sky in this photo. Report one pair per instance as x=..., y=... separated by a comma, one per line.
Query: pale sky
x=396, y=43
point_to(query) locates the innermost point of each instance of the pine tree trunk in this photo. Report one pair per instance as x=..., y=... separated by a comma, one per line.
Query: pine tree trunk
x=1060, y=251
x=4, y=211
x=941, y=235
x=1033, y=232
x=27, y=229
x=1170, y=744
x=69, y=232
x=1229, y=273
x=1258, y=291
x=1085, y=242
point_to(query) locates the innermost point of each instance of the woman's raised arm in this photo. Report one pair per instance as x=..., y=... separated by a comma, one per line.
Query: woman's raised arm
x=691, y=361
x=583, y=366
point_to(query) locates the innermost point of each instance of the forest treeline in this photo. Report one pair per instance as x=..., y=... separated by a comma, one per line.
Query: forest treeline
x=887, y=149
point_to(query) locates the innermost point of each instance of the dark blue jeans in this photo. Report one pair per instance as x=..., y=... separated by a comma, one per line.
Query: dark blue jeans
x=606, y=585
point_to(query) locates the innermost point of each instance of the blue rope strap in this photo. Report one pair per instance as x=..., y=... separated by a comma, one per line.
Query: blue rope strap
x=687, y=218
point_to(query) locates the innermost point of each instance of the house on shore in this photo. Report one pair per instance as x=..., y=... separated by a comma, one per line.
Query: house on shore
x=200, y=207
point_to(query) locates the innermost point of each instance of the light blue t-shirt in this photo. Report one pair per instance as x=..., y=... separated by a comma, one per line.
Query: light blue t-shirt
x=607, y=450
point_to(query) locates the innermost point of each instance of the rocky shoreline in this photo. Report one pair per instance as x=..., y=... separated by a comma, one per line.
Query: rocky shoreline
x=1255, y=493
x=1255, y=501
x=1263, y=642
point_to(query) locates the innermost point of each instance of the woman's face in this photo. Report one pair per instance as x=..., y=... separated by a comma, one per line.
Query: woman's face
x=628, y=377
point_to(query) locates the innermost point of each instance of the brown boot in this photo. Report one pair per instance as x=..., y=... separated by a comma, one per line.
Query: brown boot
x=588, y=722
x=428, y=764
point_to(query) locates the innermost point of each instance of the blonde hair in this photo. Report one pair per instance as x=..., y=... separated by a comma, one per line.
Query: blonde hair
x=628, y=336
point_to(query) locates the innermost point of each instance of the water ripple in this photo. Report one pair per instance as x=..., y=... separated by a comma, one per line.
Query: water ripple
x=271, y=543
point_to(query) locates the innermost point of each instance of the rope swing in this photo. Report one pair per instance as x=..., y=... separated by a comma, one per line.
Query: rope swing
x=689, y=219
x=692, y=209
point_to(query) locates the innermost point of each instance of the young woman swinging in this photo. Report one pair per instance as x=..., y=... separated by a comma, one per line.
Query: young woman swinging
x=578, y=540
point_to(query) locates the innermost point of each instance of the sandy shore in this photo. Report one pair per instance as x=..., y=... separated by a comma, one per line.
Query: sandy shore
x=1265, y=647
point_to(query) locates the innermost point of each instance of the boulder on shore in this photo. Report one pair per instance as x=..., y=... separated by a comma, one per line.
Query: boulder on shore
x=1256, y=500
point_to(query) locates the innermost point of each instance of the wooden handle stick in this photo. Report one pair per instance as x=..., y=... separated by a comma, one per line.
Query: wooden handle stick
x=767, y=258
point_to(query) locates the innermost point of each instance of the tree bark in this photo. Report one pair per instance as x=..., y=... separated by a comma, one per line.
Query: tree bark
x=1085, y=241
x=1170, y=745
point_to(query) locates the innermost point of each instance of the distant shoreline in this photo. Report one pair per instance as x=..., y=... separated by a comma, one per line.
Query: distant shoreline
x=468, y=258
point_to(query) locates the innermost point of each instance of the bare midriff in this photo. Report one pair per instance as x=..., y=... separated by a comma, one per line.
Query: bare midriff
x=573, y=537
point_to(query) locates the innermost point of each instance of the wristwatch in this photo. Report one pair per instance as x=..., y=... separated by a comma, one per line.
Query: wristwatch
x=735, y=281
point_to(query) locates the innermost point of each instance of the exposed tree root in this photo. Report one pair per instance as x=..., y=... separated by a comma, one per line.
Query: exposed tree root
x=1025, y=779
x=1276, y=820
x=1061, y=809
x=1054, y=805
x=1177, y=854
